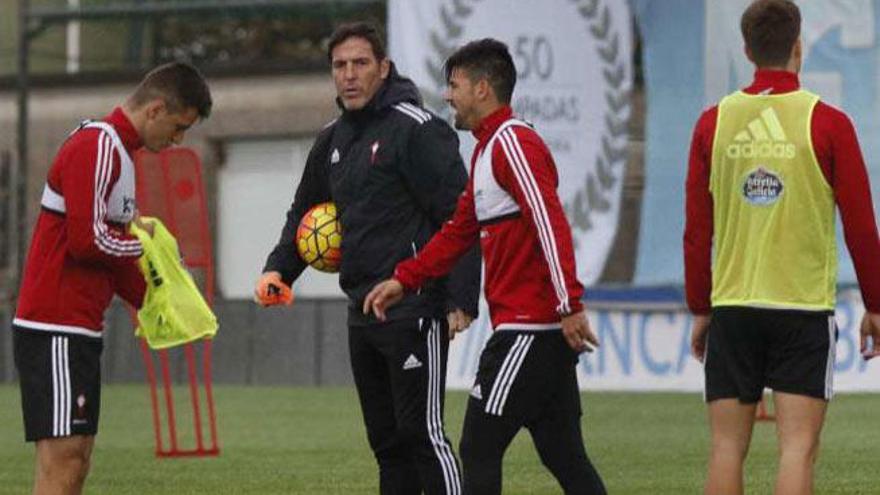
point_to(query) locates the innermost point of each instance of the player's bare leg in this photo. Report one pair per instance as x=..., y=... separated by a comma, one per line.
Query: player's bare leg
x=62, y=465
x=731, y=424
x=798, y=425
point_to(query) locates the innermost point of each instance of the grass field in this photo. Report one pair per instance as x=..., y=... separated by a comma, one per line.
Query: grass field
x=311, y=441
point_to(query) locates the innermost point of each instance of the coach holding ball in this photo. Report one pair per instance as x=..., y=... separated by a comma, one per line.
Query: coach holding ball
x=394, y=172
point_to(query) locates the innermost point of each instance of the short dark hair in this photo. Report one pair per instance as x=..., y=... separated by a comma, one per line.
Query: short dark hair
x=770, y=29
x=363, y=30
x=487, y=59
x=180, y=84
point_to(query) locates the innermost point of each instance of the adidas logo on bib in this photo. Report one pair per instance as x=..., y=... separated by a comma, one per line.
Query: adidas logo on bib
x=762, y=138
x=412, y=362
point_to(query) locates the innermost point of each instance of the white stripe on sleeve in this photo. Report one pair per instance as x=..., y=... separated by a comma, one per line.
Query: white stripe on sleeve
x=103, y=172
x=532, y=193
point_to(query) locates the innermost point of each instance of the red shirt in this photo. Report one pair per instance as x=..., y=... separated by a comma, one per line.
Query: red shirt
x=838, y=153
x=510, y=204
x=78, y=258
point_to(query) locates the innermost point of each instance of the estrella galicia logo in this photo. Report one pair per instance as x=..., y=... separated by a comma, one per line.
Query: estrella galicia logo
x=762, y=187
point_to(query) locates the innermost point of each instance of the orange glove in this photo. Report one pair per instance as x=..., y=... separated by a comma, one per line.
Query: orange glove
x=271, y=291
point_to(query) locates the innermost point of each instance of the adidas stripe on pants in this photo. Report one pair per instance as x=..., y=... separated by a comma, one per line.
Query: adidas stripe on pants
x=526, y=379
x=399, y=369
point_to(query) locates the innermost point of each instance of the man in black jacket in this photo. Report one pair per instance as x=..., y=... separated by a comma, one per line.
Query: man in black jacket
x=394, y=171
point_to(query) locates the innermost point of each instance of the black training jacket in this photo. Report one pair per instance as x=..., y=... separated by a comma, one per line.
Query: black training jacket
x=395, y=173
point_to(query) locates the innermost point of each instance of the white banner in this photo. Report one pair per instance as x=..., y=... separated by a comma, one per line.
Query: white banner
x=650, y=350
x=573, y=59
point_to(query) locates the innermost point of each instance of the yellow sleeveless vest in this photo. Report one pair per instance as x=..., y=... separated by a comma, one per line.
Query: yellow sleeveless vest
x=774, y=240
x=174, y=311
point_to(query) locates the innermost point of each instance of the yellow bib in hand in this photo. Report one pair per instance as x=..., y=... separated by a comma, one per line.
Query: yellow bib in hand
x=174, y=311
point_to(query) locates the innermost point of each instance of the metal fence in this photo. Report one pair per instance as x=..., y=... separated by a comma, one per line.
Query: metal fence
x=220, y=36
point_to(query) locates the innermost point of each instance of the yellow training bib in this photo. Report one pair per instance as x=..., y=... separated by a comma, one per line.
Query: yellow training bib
x=174, y=311
x=774, y=243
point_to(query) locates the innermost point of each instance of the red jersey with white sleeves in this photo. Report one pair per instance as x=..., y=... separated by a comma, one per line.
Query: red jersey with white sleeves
x=511, y=205
x=839, y=155
x=81, y=253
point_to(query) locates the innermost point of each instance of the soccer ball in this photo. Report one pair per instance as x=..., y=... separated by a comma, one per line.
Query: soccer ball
x=319, y=238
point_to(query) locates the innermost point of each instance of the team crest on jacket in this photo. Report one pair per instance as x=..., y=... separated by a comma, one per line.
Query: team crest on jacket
x=375, y=149
x=762, y=187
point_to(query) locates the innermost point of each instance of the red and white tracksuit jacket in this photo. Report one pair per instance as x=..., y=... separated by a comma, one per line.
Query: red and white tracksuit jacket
x=510, y=204
x=81, y=253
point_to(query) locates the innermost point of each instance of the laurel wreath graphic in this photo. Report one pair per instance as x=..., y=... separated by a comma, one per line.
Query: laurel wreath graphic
x=594, y=196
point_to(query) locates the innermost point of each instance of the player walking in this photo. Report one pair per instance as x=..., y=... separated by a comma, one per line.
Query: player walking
x=526, y=375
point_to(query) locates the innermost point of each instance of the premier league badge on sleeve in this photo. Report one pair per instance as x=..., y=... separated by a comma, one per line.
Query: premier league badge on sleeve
x=762, y=187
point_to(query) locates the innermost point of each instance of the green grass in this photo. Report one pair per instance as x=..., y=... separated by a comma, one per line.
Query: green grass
x=311, y=441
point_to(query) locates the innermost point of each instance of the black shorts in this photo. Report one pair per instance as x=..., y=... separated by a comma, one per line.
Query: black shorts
x=789, y=351
x=522, y=372
x=60, y=379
